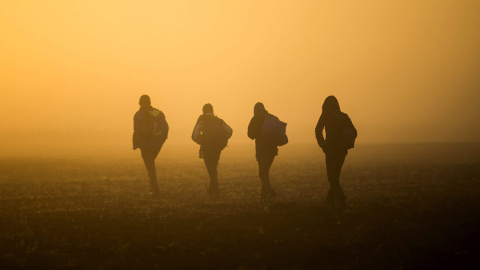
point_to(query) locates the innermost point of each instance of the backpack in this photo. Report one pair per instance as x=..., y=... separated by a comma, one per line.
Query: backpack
x=274, y=130
x=156, y=127
x=349, y=133
x=214, y=135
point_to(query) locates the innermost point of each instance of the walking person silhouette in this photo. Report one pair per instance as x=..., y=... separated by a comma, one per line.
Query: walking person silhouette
x=340, y=136
x=212, y=134
x=150, y=130
x=267, y=137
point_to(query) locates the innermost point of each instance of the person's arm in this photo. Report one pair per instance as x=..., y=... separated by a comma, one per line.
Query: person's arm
x=196, y=131
x=350, y=124
x=251, y=129
x=227, y=129
x=164, y=128
x=319, y=133
x=137, y=138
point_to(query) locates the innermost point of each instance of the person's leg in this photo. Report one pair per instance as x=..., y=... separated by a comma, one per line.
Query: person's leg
x=211, y=159
x=153, y=182
x=155, y=152
x=330, y=176
x=335, y=162
x=341, y=198
x=148, y=156
x=264, y=164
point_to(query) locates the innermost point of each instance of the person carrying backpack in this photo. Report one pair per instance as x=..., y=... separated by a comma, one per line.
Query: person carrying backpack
x=212, y=134
x=340, y=135
x=268, y=133
x=150, y=131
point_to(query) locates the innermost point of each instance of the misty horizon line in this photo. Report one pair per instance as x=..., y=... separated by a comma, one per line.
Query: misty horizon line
x=189, y=151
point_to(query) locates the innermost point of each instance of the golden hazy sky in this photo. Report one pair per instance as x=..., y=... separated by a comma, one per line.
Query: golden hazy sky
x=404, y=71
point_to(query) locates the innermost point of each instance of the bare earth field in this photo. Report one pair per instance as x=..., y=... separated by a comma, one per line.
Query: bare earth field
x=413, y=206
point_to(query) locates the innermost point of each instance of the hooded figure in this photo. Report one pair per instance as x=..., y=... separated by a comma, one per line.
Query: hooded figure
x=265, y=149
x=335, y=123
x=150, y=131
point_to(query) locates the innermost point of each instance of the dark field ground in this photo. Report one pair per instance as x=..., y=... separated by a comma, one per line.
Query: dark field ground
x=413, y=206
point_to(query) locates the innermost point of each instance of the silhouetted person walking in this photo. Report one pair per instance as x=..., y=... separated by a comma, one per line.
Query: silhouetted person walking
x=212, y=133
x=150, y=130
x=340, y=136
x=267, y=137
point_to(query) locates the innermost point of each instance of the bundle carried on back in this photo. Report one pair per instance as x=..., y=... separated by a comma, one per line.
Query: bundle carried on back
x=150, y=128
x=274, y=130
x=211, y=132
x=156, y=127
x=215, y=135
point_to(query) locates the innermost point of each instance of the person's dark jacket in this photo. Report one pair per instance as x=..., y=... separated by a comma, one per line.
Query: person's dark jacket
x=334, y=125
x=143, y=121
x=263, y=147
x=203, y=121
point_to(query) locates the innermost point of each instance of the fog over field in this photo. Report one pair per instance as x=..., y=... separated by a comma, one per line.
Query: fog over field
x=414, y=206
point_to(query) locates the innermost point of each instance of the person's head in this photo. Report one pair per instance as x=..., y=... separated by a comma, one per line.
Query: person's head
x=259, y=109
x=207, y=108
x=330, y=105
x=144, y=101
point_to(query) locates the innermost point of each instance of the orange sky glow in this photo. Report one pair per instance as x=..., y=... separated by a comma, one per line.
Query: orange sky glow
x=71, y=72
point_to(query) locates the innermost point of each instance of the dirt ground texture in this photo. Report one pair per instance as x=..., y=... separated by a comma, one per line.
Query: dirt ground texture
x=413, y=207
